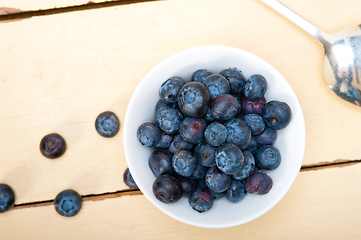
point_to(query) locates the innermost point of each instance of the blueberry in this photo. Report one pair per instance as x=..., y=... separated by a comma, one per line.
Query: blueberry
x=267, y=137
x=217, y=180
x=199, y=172
x=235, y=78
x=238, y=132
x=179, y=144
x=255, y=88
x=165, y=141
x=277, y=115
x=192, y=129
x=184, y=163
x=107, y=124
x=128, y=179
x=149, y=134
x=247, y=167
x=224, y=107
x=252, y=146
x=229, y=158
x=201, y=200
x=205, y=154
x=208, y=116
x=200, y=75
x=215, y=134
x=169, y=120
x=193, y=99
x=237, y=191
x=68, y=203
x=258, y=183
x=52, y=146
x=268, y=157
x=7, y=198
x=217, y=85
x=188, y=185
x=167, y=189
x=249, y=106
x=169, y=90
x=160, y=163
x=255, y=122
x=161, y=104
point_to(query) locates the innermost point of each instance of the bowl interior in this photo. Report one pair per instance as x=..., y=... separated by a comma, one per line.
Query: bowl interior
x=290, y=141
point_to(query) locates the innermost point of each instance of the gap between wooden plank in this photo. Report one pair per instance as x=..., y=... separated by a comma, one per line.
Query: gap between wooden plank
x=91, y=197
x=131, y=192
x=10, y=14
x=323, y=165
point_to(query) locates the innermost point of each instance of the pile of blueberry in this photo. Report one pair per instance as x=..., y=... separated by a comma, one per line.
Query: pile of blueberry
x=213, y=137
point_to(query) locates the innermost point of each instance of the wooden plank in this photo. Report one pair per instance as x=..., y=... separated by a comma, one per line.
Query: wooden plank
x=59, y=72
x=321, y=205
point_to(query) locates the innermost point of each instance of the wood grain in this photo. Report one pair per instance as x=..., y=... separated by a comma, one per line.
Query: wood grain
x=59, y=72
x=320, y=205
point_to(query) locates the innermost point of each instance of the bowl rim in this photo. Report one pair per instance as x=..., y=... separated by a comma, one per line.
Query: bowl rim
x=126, y=132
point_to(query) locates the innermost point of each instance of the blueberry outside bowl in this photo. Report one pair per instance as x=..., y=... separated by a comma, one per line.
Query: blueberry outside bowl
x=290, y=142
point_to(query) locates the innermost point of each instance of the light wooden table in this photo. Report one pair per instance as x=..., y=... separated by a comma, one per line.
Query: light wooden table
x=64, y=62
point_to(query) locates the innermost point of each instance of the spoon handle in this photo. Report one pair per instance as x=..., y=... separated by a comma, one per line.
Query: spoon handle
x=320, y=35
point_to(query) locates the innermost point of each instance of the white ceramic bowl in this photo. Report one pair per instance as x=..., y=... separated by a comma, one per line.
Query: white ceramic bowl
x=290, y=141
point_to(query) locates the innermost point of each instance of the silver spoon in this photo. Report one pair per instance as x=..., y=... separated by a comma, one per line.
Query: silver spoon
x=342, y=63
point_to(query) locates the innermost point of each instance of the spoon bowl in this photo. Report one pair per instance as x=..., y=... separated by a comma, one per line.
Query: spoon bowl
x=342, y=62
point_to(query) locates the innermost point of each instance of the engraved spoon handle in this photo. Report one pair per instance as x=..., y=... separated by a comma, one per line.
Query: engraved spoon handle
x=320, y=35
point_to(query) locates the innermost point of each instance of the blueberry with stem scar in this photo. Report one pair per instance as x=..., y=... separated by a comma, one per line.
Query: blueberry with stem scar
x=149, y=134
x=193, y=99
x=167, y=189
x=107, y=124
x=68, y=203
x=52, y=146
